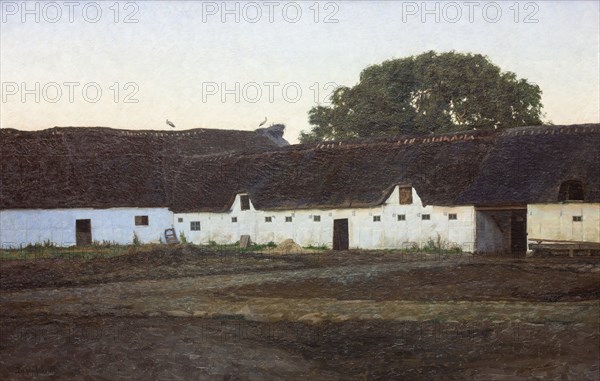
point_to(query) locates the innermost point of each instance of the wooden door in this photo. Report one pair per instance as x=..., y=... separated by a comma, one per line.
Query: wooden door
x=340, y=234
x=83, y=232
x=518, y=232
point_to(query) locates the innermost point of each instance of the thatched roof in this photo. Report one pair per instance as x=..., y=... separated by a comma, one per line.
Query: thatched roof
x=87, y=169
x=528, y=165
x=70, y=167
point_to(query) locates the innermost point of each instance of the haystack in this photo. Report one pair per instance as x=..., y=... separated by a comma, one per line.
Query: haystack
x=289, y=246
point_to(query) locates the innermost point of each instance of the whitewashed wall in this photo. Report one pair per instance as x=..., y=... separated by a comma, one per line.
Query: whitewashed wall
x=555, y=222
x=23, y=227
x=363, y=231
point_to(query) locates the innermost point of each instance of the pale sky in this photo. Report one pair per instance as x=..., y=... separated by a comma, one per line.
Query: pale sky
x=181, y=62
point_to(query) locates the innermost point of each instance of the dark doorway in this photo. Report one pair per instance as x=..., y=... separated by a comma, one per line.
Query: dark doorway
x=518, y=232
x=83, y=232
x=340, y=234
x=501, y=230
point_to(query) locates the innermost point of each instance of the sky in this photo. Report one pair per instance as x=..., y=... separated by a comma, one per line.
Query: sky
x=211, y=64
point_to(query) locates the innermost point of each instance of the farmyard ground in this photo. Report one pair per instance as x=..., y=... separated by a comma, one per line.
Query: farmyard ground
x=186, y=312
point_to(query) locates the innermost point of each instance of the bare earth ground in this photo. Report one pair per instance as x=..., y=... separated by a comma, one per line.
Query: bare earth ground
x=181, y=313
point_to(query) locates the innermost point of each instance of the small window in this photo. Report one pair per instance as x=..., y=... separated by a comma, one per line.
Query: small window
x=406, y=196
x=268, y=219
x=180, y=220
x=452, y=216
x=245, y=202
x=141, y=220
x=233, y=219
x=316, y=218
x=376, y=218
x=401, y=217
x=426, y=217
x=288, y=219
x=195, y=225
x=577, y=218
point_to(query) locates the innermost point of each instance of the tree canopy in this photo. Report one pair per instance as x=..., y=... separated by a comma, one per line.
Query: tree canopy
x=429, y=93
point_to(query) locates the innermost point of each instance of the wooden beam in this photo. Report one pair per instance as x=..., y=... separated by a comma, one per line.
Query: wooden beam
x=539, y=240
x=505, y=207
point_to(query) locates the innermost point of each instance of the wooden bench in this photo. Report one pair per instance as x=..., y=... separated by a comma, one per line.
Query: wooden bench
x=559, y=245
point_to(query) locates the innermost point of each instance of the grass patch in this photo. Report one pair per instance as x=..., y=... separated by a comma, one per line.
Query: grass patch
x=51, y=251
x=322, y=247
x=235, y=247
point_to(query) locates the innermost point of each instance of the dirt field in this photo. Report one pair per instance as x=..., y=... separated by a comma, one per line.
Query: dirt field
x=181, y=313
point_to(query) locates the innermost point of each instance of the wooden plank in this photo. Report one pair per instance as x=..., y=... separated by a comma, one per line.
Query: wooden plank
x=562, y=246
x=540, y=240
x=245, y=241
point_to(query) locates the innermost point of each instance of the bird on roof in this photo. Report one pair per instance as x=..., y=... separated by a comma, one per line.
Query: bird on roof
x=170, y=123
x=263, y=122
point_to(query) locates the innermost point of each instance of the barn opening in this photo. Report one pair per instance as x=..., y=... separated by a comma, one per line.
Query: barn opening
x=340, y=234
x=83, y=232
x=571, y=190
x=501, y=230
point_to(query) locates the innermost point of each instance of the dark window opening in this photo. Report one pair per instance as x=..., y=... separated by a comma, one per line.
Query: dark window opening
x=401, y=217
x=141, y=220
x=233, y=219
x=317, y=218
x=577, y=218
x=245, y=202
x=406, y=196
x=571, y=190
x=425, y=217
x=195, y=225
x=376, y=218
x=288, y=219
x=268, y=219
x=452, y=216
x=180, y=220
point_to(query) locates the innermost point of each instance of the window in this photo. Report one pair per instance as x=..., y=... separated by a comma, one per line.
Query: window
x=376, y=218
x=245, y=202
x=577, y=218
x=426, y=217
x=288, y=219
x=401, y=217
x=268, y=219
x=405, y=196
x=452, y=216
x=233, y=219
x=571, y=190
x=317, y=218
x=195, y=225
x=180, y=220
x=141, y=220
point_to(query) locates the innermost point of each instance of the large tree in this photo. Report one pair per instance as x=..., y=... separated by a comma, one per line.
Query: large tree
x=431, y=92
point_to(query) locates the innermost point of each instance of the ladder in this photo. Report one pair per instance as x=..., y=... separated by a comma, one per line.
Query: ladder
x=171, y=236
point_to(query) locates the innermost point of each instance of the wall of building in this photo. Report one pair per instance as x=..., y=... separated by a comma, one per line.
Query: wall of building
x=23, y=227
x=364, y=232
x=555, y=222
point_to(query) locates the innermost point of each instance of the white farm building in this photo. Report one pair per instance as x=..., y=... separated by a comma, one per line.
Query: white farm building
x=482, y=191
